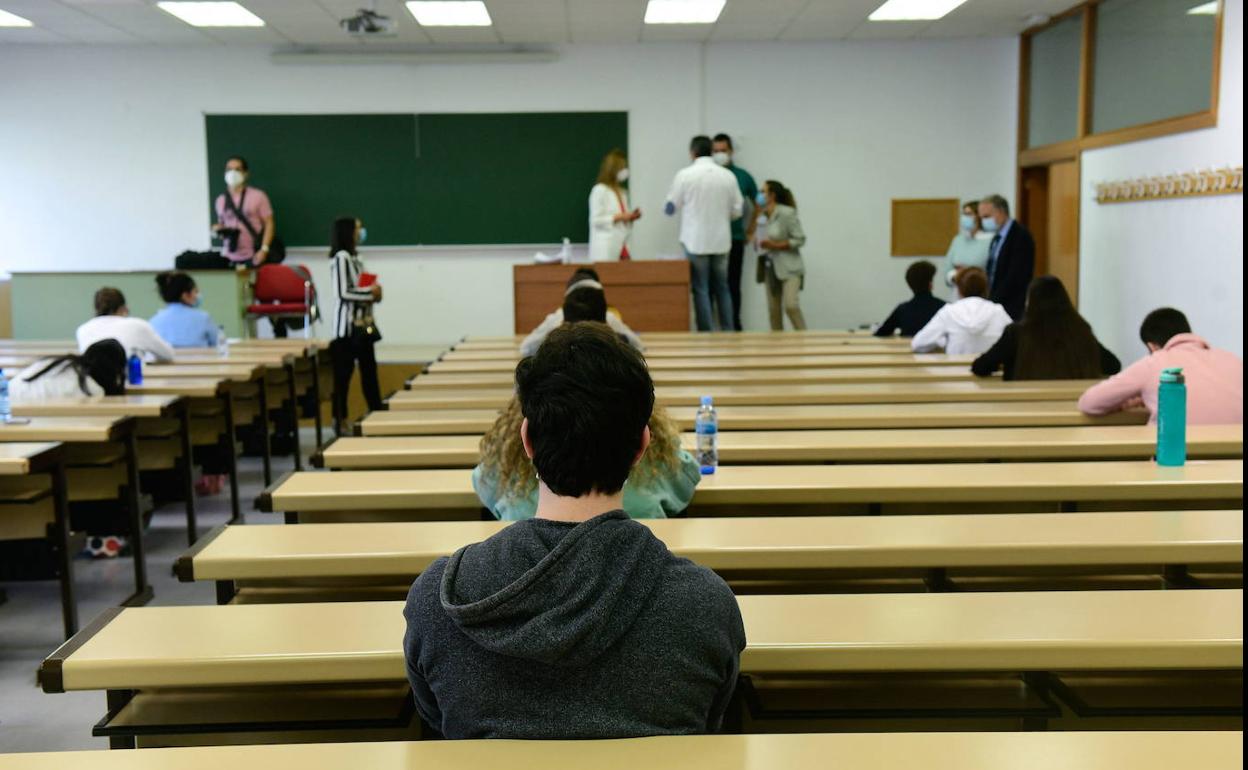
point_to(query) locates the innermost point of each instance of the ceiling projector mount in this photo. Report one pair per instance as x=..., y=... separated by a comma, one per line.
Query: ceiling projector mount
x=369, y=23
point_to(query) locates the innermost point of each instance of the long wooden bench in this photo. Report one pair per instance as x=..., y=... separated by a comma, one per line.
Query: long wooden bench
x=902, y=358
x=935, y=751
x=986, y=414
x=690, y=352
x=799, y=554
x=690, y=377
x=830, y=488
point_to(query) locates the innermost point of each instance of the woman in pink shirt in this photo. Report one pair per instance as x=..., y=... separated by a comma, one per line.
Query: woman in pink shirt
x=246, y=238
x=1215, y=378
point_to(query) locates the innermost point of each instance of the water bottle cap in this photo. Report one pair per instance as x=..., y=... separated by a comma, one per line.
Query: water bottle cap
x=1174, y=374
x=706, y=401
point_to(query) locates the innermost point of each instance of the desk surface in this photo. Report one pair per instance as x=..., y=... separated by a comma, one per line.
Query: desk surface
x=776, y=544
x=220, y=370
x=20, y=459
x=810, y=484
x=891, y=751
x=235, y=645
x=67, y=429
x=718, y=377
x=245, y=357
x=689, y=352
x=932, y=444
x=193, y=387
x=708, y=337
x=731, y=395
x=795, y=417
x=105, y=406
x=904, y=358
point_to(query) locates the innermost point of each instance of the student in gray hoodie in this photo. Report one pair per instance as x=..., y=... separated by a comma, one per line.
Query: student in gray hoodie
x=578, y=623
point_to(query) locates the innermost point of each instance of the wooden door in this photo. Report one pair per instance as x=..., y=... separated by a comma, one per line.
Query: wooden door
x=1063, y=224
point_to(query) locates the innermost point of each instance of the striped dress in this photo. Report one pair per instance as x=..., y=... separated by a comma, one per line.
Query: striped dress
x=351, y=302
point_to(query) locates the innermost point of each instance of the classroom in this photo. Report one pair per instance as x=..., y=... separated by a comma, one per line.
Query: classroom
x=621, y=383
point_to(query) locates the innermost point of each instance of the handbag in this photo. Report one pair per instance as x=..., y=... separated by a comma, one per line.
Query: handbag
x=762, y=268
x=277, y=247
x=364, y=331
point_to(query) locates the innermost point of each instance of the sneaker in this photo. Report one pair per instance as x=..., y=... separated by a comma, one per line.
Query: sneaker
x=104, y=546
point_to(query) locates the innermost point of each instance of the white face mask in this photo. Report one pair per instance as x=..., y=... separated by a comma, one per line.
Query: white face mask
x=722, y=158
x=621, y=176
x=234, y=178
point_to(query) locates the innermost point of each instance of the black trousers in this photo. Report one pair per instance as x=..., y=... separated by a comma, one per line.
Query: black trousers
x=345, y=353
x=736, y=261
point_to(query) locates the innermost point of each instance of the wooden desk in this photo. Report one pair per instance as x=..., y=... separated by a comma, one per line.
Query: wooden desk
x=739, y=362
x=779, y=547
x=778, y=485
x=817, y=446
x=655, y=342
x=702, y=338
x=801, y=417
x=651, y=295
x=718, y=377
x=663, y=353
x=896, y=751
x=736, y=395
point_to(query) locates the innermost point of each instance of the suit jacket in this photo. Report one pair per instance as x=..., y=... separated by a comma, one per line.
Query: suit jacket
x=1016, y=264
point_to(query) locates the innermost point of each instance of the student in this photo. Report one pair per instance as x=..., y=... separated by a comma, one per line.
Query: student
x=723, y=153
x=708, y=199
x=578, y=623
x=969, y=248
x=1215, y=378
x=585, y=277
x=99, y=371
x=659, y=486
x=967, y=327
x=786, y=272
x=112, y=321
x=610, y=218
x=913, y=314
x=180, y=322
x=355, y=332
x=1052, y=342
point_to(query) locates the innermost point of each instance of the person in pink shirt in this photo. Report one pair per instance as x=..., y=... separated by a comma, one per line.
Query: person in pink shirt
x=1215, y=378
x=247, y=241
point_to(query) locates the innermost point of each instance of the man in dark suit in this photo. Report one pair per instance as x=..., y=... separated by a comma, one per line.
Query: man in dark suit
x=1011, y=256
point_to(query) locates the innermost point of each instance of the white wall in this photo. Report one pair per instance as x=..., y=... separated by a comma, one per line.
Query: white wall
x=103, y=150
x=1186, y=253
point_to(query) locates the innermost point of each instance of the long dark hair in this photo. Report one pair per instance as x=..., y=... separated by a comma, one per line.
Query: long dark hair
x=1054, y=342
x=784, y=196
x=342, y=236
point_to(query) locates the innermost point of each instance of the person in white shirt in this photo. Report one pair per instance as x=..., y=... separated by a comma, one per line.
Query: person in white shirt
x=708, y=199
x=112, y=321
x=610, y=218
x=969, y=326
x=584, y=278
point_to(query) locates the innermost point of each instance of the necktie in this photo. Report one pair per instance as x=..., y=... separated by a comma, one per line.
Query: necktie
x=992, y=257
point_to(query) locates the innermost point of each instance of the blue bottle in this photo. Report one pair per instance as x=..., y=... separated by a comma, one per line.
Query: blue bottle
x=706, y=425
x=134, y=369
x=1172, y=418
x=6, y=409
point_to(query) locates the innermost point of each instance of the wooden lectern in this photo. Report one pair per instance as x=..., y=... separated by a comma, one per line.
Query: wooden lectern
x=651, y=296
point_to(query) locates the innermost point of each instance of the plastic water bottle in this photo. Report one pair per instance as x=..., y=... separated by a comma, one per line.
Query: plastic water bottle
x=134, y=369
x=706, y=425
x=6, y=409
x=1172, y=418
x=223, y=343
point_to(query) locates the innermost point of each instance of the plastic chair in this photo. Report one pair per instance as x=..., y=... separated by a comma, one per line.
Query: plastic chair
x=284, y=292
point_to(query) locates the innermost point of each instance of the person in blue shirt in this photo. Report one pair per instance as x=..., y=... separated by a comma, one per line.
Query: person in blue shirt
x=181, y=323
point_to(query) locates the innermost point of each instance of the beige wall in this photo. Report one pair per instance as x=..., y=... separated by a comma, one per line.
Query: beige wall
x=6, y=309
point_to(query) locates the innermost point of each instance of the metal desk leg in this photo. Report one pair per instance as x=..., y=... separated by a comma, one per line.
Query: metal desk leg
x=294, y=414
x=188, y=474
x=60, y=539
x=142, y=590
x=266, y=449
x=231, y=453
x=316, y=397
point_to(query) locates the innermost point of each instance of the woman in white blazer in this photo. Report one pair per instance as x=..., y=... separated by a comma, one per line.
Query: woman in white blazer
x=610, y=218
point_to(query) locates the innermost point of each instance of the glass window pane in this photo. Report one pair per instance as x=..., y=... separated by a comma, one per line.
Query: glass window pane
x=1153, y=60
x=1053, y=83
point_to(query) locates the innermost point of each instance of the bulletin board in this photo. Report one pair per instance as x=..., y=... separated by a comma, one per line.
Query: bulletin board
x=923, y=227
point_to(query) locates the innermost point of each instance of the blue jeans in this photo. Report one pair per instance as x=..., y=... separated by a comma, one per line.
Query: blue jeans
x=708, y=274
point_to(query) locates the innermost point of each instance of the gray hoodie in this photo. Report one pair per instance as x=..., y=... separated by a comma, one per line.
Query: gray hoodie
x=560, y=630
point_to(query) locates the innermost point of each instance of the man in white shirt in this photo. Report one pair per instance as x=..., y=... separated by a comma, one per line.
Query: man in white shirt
x=708, y=199
x=112, y=321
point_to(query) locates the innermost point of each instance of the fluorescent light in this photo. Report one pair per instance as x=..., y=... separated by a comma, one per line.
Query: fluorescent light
x=683, y=11
x=212, y=14
x=1204, y=9
x=450, y=13
x=13, y=20
x=914, y=10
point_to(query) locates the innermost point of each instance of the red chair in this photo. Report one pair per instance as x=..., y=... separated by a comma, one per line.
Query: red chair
x=284, y=292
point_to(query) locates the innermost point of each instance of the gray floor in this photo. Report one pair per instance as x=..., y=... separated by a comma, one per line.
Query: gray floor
x=30, y=622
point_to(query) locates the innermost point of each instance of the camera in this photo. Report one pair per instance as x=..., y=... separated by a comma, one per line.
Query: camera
x=229, y=235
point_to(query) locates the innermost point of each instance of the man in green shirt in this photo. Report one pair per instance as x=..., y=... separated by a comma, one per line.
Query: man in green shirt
x=743, y=228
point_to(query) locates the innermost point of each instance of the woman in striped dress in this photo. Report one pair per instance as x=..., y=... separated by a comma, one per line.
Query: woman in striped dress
x=354, y=332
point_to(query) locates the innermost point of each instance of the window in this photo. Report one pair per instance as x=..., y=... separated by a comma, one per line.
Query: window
x=1053, y=83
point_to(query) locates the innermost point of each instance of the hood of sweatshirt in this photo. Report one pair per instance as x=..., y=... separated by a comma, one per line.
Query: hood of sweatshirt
x=974, y=314
x=554, y=592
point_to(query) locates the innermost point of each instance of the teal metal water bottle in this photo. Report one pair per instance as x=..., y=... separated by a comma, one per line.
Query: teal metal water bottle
x=1172, y=419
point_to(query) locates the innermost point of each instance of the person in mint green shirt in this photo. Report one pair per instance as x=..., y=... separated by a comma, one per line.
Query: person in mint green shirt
x=743, y=228
x=659, y=486
x=969, y=248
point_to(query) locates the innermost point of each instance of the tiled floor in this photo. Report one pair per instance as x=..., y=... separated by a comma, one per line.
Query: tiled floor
x=30, y=622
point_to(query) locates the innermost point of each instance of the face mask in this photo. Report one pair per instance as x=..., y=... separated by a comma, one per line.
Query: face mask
x=967, y=222
x=722, y=158
x=199, y=300
x=234, y=178
x=988, y=225
x=761, y=199
x=363, y=235
x=621, y=176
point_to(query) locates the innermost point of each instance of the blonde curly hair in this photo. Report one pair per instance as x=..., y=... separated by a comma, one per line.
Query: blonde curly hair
x=503, y=456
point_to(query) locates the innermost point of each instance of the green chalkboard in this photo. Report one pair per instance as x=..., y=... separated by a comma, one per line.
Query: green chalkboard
x=422, y=179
